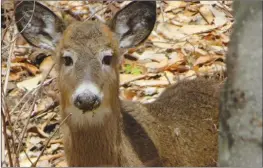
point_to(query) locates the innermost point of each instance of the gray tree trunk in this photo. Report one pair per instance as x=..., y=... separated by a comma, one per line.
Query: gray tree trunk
x=240, y=140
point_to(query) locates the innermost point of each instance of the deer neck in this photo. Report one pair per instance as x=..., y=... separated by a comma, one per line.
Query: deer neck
x=94, y=138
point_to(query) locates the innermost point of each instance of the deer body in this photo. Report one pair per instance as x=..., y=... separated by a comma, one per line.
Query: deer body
x=175, y=130
x=182, y=122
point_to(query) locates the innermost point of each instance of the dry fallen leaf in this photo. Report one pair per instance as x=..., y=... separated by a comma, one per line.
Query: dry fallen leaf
x=170, y=31
x=174, y=5
x=149, y=91
x=15, y=76
x=151, y=83
x=194, y=29
x=220, y=17
x=29, y=67
x=207, y=14
x=155, y=67
x=128, y=94
x=38, y=131
x=126, y=78
x=207, y=59
x=31, y=83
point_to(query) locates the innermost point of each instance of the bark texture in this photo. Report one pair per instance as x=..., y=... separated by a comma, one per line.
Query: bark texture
x=240, y=140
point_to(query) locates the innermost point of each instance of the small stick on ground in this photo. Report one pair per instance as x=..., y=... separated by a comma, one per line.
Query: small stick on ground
x=20, y=101
x=8, y=66
x=165, y=75
x=46, y=144
x=8, y=117
x=162, y=12
x=95, y=13
x=31, y=111
x=56, y=141
x=6, y=140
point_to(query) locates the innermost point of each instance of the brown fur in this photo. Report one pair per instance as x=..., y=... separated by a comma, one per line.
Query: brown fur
x=178, y=129
x=182, y=122
x=87, y=145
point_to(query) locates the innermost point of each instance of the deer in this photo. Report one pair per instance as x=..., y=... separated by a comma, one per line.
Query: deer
x=178, y=129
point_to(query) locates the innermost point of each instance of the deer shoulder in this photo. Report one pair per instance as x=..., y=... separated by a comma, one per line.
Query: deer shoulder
x=182, y=120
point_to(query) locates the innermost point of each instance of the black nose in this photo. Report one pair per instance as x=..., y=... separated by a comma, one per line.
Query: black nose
x=87, y=102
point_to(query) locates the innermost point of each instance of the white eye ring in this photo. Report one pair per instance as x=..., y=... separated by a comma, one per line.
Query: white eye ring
x=106, y=60
x=68, y=58
x=106, y=57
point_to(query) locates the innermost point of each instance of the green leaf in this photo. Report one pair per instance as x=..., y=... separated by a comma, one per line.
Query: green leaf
x=132, y=69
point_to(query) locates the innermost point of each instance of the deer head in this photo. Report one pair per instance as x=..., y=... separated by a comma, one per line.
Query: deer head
x=86, y=53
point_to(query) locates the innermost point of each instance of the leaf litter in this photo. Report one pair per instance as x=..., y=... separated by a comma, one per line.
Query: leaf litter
x=190, y=39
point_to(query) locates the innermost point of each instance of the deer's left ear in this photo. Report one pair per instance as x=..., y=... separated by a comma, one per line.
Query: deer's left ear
x=134, y=23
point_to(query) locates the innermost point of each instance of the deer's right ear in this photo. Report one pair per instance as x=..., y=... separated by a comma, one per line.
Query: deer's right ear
x=38, y=24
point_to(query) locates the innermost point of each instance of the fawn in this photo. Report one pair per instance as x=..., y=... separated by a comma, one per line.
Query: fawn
x=178, y=129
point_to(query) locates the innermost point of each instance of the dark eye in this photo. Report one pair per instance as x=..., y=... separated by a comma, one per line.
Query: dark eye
x=107, y=59
x=67, y=61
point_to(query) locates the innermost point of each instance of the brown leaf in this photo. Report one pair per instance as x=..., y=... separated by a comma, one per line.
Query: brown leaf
x=19, y=59
x=194, y=29
x=126, y=78
x=151, y=82
x=128, y=94
x=207, y=59
x=15, y=76
x=170, y=31
x=29, y=67
x=207, y=14
x=155, y=67
x=175, y=4
x=38, y=131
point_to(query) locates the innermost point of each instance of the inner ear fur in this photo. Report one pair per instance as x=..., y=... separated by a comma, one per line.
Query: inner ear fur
x=134, y=23
x=38, y=24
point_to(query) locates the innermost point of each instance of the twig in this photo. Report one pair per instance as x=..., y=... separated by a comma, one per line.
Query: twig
x=25, y=127
x=133, y=79
x=6, y=139
x=27, y=156
x=165, y=75
x=56, y=141
x=8, y=66
x=95, y=14
x=6, y=111
x=31, y=110
x=21, y=110
x=20, y=101
x=16, y=136
x=52, y=157
x=46, y=144
x=161, y=7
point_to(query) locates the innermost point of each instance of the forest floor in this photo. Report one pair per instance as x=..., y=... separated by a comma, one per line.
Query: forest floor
x=189, y=39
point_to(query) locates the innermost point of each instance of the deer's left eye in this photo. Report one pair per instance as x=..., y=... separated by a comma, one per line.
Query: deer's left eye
x=107, y=59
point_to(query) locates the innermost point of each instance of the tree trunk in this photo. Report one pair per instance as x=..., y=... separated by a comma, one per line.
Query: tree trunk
x=240, y=140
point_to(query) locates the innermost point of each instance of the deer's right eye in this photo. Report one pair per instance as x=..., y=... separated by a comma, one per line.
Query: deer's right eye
x=67, y=61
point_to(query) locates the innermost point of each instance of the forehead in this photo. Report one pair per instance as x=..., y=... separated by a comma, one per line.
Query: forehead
x=94, y=35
